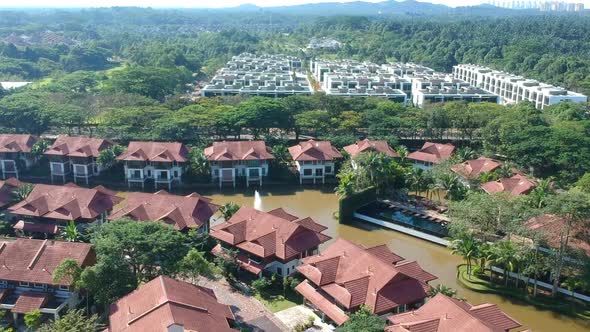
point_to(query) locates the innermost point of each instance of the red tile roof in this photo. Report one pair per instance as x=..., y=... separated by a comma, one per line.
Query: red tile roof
x=367, y=145
x=155, y=151
x=472, y=169
x=242, y=259
x=30, y=301
x=445, y=314
x=192, y=211
x=353, y=275
x=551, y=227
x=34, y=261
x=68, y=202
x=16, y=143
x=163, y=302
x=314, y=150
x=36, y=228
x=516, y=185
x=266, y=235
x=433, y=152
x=7, y=188
x=319, y=301
x=239, y=150
x=77, y=146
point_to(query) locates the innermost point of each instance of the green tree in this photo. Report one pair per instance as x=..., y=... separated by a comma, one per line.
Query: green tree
x=194, y=265
x=107, y=158
x=362, y=320
x=33, y=319
x=228, y=210
x=22, y=192
x=70, y=232
x=148, y=249
x=72, y=321
x=466, y=246
x=574, y=208
x=440, y=288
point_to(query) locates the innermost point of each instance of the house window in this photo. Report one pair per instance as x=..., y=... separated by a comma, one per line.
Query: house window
x=288, y=270
x=279, y=271
x=3, y=283
x=216, y=172
x=307, y=172
x=64, y=287
x=38, y=286
x=176, y=173
x=24, y=284
x=149, y=173
x=328, y=169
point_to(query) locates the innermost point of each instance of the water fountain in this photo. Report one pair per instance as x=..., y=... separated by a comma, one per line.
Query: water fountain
x=257, y=201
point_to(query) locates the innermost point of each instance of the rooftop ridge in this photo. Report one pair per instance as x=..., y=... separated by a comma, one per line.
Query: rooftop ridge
x=37, y=255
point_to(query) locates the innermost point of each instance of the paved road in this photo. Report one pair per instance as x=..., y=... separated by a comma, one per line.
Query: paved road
x=246, y=309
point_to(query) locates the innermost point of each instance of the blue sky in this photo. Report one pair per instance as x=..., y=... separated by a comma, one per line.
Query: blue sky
x=206, y=3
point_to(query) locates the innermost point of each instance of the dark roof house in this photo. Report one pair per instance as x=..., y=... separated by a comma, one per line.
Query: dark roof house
x=155, y=152
x=166, y=304
x=433, y=153
x=472, y=169
x=368, y=145
x=347, y=275
x=238, y=150
x=446, y=314
x=314, y=151
x=516, y=185
x=68, y=202
x=182, y=212
x=77, y=146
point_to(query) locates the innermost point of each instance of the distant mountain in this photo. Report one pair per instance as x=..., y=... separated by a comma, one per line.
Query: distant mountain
x=391, y=7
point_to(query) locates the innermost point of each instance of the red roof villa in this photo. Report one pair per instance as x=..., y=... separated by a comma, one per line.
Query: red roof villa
x=76, y=155
x=26, y=281
x=431, y=154
x=472, y=169
x=345, y=276
x=162, y=162
x=248, y=159
x=272, y=241
x=15, y=153
x=552, y=227
x=314, y=159
x=169, y=305
x=182, y=212
x=7, y=188
x=445, y=314
x=49, y=206
x=516, y=185
x=368, y=145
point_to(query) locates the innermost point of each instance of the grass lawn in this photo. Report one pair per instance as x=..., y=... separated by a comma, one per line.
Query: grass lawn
x=481, y=283
x=277, y=302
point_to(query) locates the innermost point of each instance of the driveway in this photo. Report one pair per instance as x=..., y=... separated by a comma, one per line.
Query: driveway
x=246, y=309
x=299, y=315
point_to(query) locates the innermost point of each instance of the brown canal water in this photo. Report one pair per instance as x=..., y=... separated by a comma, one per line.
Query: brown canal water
x=321, y=204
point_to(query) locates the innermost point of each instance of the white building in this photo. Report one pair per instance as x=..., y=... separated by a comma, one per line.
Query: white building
x=315, y=160
x=513, y=89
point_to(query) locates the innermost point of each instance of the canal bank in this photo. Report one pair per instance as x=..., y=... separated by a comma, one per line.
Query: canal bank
x=321, y=203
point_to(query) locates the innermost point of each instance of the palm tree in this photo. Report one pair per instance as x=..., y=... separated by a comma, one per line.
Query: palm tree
x=71, y=233
x=538, y=197
x=22, y=192
x=505, y=254
x=467, y=247
x=346, y=184
x=402, y=152
x=452, y=185
x=466, y=154
x=440, y=288
x=228, y=210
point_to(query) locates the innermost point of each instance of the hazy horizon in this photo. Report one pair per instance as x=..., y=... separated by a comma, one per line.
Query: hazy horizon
x=216, y=4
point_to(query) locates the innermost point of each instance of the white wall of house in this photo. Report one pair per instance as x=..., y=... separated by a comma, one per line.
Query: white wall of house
x=159, y=175
x=426, y=166
x=315, y=170
x=252, y=171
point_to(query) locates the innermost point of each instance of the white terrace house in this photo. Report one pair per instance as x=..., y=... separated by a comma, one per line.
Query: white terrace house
x=161, y=162
x=241, y=159
x=26, y=282
x=15, y=154
x=76, y=156
x=314, y=160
